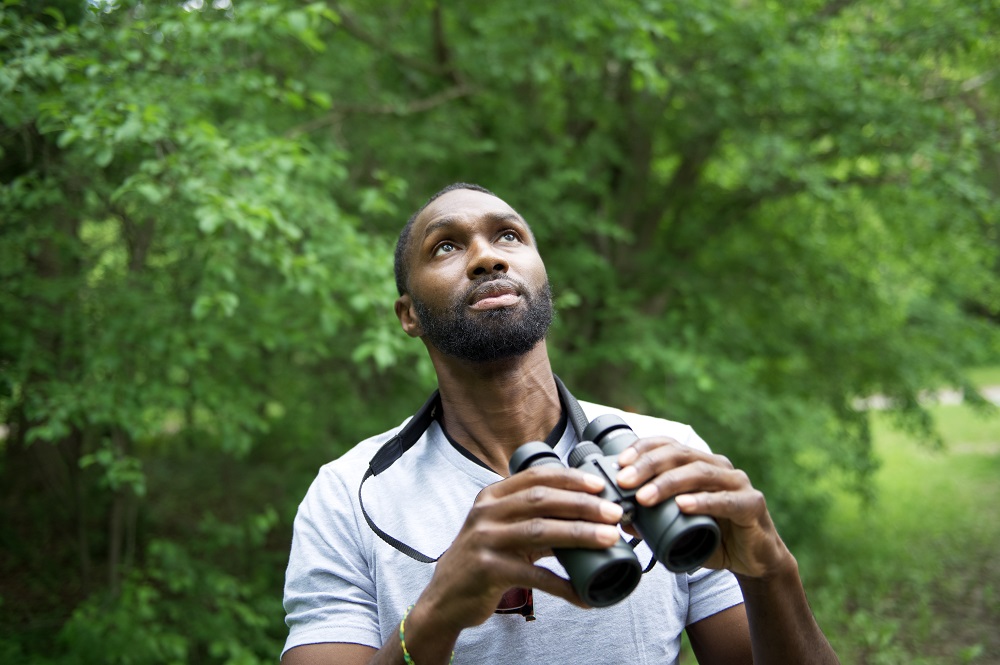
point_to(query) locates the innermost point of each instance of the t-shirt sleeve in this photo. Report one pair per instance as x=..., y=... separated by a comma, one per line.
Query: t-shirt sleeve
x=329, y=593
x=710, y=592
x=692, y=439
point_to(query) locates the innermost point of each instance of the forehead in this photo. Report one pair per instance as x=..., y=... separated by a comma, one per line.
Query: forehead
x=466, y=204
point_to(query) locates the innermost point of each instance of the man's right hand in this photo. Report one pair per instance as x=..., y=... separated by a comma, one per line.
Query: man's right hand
x=512, y=524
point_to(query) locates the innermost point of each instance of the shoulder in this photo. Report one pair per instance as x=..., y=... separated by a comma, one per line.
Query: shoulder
x=644, y=425
x=344, y=473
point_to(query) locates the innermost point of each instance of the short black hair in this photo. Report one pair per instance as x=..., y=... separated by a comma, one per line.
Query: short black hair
x=403, y=244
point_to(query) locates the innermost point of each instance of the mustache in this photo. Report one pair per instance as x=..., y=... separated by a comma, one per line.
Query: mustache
x=485, y=279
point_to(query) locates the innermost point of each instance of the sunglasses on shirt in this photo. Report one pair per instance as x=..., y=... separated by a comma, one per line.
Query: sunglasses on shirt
x=517, y=600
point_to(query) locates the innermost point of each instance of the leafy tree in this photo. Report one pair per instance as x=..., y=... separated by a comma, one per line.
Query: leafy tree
x=179, y=278
x=752, y=215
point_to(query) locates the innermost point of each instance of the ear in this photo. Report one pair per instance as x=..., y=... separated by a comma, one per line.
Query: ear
x=407, y=316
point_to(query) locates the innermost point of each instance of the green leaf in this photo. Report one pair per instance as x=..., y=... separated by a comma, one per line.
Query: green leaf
x=104, y=155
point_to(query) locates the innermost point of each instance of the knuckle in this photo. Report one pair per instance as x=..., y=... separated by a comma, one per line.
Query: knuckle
x=476, y=512
x=534, y=529
x=540, y=471
x=585, y=503
x=640, y=462
x=480, y=532
x=486, y=496
x=642, y=445
x=682, y=453
x=483, y=505
x=724, y=461
x=538, y=577
x=710, y=470
x=489, y=561
x=537, y=494
x=743, y=479
x=660, y=456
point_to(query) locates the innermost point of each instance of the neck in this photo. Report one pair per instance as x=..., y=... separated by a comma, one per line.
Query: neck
x=493, y=408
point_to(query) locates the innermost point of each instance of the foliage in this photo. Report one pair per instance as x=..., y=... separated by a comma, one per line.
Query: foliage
x=912, y=578
x=752, y=214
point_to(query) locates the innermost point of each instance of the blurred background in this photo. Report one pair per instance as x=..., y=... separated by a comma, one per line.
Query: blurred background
x=774, y=221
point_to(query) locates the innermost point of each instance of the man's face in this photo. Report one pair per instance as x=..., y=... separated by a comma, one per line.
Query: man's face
x=476, y=282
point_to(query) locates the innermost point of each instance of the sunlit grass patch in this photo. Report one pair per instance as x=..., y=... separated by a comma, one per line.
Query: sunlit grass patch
x=985, y=376
x=913, y=576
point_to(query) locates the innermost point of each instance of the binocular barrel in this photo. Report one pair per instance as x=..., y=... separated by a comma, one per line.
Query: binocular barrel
x=600, y=577
x=680, y=542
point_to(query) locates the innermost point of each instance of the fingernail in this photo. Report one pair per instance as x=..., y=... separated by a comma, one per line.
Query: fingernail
x=685, y=501
x=607, y=533
x=611, y=511
x=647, y=494
x=627, y=475
x=627, y=456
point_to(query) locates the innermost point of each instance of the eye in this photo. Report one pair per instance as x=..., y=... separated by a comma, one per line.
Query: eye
x=444, y=248
x=510, y=236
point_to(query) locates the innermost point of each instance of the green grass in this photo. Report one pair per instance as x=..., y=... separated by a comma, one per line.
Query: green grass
x=985, y=376
x=914, y=577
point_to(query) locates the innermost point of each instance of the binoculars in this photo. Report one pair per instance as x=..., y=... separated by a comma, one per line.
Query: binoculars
x=680, y=542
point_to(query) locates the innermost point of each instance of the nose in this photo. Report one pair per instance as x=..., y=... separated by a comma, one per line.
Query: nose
x=484, y=258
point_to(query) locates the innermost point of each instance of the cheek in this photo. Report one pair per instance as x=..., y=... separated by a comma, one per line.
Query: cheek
x=536, y=272
x=436, y=290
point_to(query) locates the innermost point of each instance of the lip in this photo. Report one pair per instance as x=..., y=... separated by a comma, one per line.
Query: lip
x=494, y=294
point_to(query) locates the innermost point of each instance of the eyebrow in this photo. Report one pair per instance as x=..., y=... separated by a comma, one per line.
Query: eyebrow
x=487, y=216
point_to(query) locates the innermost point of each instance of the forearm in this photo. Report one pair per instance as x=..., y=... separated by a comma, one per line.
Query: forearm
x=782, y=627
x=427, y=641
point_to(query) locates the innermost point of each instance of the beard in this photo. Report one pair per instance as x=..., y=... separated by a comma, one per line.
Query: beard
x=490, y=335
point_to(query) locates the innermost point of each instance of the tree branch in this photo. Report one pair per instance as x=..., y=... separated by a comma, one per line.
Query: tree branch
x=945, y=89
x=353, y=27
x=833, y=8
x=441, y=50
x=398, y=109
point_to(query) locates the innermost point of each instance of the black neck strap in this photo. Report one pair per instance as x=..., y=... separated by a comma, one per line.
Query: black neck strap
x=405, y=439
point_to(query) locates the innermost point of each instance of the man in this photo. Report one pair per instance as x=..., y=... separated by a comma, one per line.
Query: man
x=359, y=588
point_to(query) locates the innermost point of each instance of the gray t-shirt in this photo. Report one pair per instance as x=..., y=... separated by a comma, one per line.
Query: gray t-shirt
x=344, y=584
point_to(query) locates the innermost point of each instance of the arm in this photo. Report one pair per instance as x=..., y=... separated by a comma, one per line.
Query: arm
x=320, y=654
x=512, y=524
x=709, y=647
x=780, y=625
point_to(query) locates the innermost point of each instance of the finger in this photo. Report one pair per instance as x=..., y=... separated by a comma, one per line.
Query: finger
x=541, y=533
x=547, y=581
x=685, y=452
x=655, y=456
x=645, y=444
x=537, y=577
x=744, y=508
x=560, y=477
x=696, y=476
x=544, y=501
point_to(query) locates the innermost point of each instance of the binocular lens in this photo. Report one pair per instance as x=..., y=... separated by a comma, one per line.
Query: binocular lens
x=692, y=548
x=612, y=583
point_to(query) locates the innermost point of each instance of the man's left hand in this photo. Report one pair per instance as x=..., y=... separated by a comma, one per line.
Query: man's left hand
x=707, y=484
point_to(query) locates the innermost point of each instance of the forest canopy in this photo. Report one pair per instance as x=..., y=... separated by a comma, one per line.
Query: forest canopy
x=753, y=215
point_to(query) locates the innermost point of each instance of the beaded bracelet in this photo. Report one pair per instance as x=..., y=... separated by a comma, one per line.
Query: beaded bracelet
x=402, y=640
